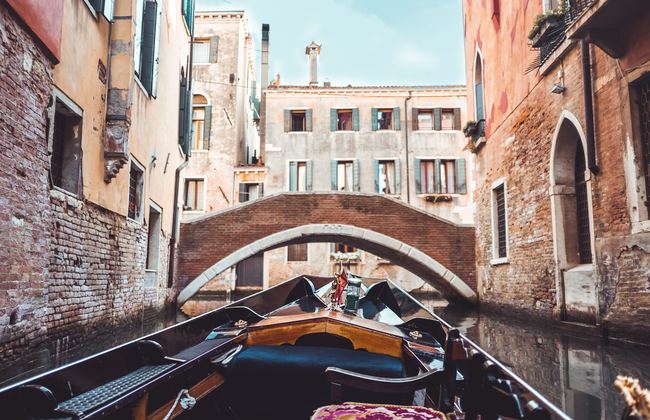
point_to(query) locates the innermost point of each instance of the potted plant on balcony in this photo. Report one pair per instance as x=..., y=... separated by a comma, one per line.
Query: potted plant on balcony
x=545, y=23
x=475, y=132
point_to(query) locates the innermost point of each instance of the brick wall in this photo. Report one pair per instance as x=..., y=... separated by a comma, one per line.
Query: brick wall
x=205, y=242
x=97, y=275
x=25, y=86
x=522, y=119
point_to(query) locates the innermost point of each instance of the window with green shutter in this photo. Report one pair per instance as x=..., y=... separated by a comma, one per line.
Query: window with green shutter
x=386, y=177
x=150, y=35
x=298, y=176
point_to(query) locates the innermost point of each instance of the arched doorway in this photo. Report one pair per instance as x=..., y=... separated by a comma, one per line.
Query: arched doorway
x=572, y=224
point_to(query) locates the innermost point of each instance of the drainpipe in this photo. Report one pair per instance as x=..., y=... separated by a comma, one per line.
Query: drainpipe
x=177, y=174
x=589, y=107
x=406, y=145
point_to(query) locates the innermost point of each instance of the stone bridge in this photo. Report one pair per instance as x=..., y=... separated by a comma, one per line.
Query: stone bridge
x=438, y=251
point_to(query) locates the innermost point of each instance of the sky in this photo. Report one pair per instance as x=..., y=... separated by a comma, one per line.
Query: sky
x=364, y=42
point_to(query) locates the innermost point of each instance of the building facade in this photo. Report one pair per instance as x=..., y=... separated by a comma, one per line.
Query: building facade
x=225, y=140
x=108, y=138
x=561, y=168
x=404, y=142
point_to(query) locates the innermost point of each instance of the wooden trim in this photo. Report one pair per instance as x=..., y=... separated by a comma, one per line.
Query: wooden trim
x=198, y=391
x=364, y=333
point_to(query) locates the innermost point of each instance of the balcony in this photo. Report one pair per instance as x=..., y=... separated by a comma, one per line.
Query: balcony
x=601, y=22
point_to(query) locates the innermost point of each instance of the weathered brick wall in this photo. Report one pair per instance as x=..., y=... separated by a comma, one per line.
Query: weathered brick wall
x=519, y=151
x=522, y=118
x=205, y=242
x=97, y=276
x=25, y=86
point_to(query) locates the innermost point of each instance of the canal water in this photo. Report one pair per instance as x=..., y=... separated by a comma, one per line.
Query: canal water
x=575, y=373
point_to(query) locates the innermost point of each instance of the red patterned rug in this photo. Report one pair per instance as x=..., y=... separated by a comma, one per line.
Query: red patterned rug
x=361, y=411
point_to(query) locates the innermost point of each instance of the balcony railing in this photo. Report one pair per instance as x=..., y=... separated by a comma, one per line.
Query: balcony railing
x=575, y=9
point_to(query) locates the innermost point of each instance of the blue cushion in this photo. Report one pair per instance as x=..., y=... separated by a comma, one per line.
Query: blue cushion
x=289, y=381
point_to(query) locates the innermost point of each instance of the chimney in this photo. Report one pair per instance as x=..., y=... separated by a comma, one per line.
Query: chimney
x=265, y=56
x=313, y=50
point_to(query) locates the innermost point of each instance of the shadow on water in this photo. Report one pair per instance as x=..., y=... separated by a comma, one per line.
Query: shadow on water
x=576, y=373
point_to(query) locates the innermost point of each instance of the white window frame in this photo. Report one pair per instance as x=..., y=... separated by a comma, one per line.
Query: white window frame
x=393, y=161
x=205, y=193
x=160, y=212
x=496, y=260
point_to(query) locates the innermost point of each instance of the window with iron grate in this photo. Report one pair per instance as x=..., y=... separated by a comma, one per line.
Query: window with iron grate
x=643, y=100
x=582, y=207
x=499, y=222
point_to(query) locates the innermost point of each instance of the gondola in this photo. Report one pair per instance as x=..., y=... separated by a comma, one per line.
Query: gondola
x=289, y=352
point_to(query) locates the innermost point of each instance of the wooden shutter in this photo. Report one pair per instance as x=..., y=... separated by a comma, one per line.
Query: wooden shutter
x=148, y=44
x=396, y=119
x=461, y=176
x=416, y=172
x=355, y=119
x=457, y=122
x=310, y=175
x=243, y=196
x=207, y=125
x=308, y=122
x=437, y=187
x=374, y=121
x=333, y=175
x=333, y=119
x=287, y=120
x=437, y=118
x=356, y=175
x=214, y=48
x=137, y=41
x=260, y=190
x=293, y=176
x=414, y=114
x=398, y=178
x=376, y=176
x=156, y=54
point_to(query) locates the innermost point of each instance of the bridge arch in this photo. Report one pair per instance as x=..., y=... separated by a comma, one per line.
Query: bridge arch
x=435, y=249
x=379, y=244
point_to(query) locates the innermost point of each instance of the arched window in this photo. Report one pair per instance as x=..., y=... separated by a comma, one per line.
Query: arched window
x=478, y=88
x=200, y=123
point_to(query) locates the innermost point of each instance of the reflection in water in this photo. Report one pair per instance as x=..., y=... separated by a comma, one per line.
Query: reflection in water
x=575, y=373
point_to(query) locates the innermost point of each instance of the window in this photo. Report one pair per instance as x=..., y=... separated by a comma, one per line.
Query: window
x=436, y=119
x=582, y=207
x=136, y=191
x=344, y=248
x=642, y=96
x=441, y=176
x=499, y=222
x=105, y=7
x=250, y=191
x=344, y=119
x=201, y=117
x=147, y=43
x=153, y=242
x=298, y=121
x=385, y=119
x=194, y=194
x=447, y=120
x=478, y=88
x=386, y=180
x=201, y=51
x=344, y=176
x=66, y=156
x=300, y=176
x=425, y=119
x=549, y=5
x=298, y=252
